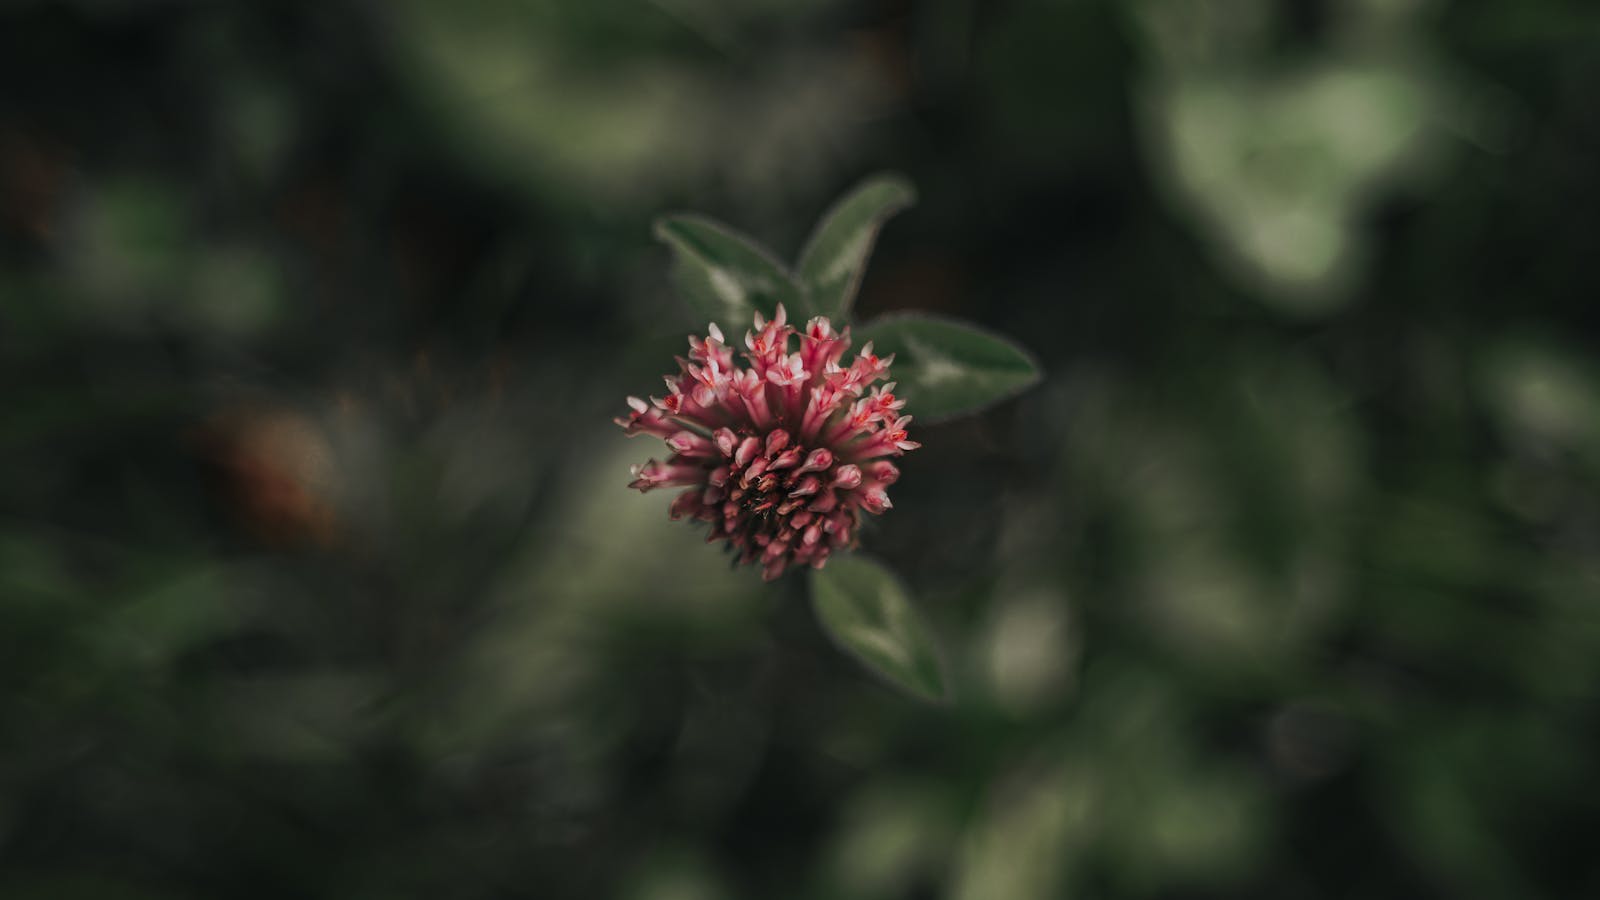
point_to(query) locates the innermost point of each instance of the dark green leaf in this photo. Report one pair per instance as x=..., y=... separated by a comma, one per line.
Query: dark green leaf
x=836, y=255
x=865, y=609
x=725, y=276
x=946, y=367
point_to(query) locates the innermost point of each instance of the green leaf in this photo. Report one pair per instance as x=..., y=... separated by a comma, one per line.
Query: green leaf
x=725, y=276
x=835, y=257
x=946, y=367
x=865, y=609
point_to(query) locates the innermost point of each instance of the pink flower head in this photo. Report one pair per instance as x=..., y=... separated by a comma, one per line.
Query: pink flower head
x=780, y=455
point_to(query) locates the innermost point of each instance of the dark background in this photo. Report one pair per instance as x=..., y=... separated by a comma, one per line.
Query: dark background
x=319, y=578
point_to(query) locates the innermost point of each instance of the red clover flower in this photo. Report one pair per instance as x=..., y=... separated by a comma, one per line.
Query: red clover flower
x=780, y=456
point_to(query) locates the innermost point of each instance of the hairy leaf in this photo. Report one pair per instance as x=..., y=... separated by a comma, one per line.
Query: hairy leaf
x=835, y=257
x=946, y=367
x=866, y=610
x=725, y=276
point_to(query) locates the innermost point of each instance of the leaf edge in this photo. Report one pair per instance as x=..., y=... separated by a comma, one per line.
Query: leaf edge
x=659, y=230
x=878, y=222
x=1036, y=370
x=946, y=695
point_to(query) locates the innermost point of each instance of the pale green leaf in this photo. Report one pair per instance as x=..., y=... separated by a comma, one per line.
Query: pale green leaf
x=865, y=609
x=723, y=275
x=946, y=367
x=835, y=257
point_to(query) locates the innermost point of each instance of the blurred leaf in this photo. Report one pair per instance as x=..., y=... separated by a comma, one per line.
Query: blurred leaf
x=618, y=106
x=865, y=609
x=835, y=257
x=675, y=873
x=1276, y=170
x=159, y=622
x=893, y=834
x=309, y=716
x=1029, y=832
x=947, y=367
x=724, y=275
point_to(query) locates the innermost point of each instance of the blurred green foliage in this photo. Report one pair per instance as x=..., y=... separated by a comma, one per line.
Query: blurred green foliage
x=318, y=576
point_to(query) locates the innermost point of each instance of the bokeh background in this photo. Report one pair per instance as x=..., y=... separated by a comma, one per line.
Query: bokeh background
x=319, y=578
